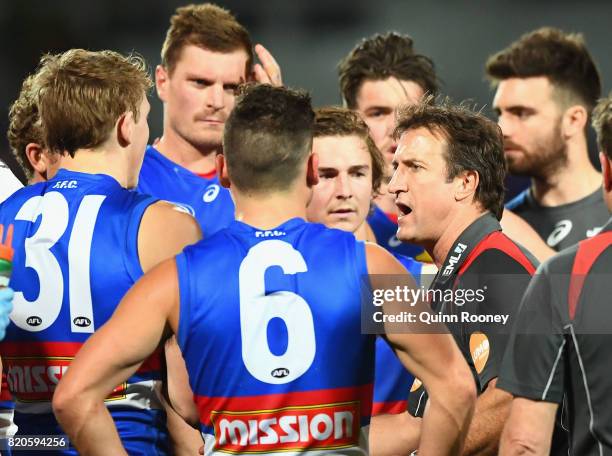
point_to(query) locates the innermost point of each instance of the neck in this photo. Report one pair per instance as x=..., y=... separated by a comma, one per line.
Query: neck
x=365, y=233
x=99, y=161
x=199, y=160
x=267, y=211
x=454, y=227
x=571, y=182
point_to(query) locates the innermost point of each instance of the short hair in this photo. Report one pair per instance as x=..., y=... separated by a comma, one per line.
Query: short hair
x=82, y=94
x=473, y=143
x=602, y=123
x=207, y=26
x=561, y=57
x=24, y=124
x=383, y=56
x=336, y=121
x=267, y=137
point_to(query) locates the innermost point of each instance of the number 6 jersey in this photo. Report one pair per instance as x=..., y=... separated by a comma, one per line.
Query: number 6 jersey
x=270, y=330
x=76, y=255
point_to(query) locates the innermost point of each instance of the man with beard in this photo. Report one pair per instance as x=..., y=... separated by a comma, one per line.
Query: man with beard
x=547, y=86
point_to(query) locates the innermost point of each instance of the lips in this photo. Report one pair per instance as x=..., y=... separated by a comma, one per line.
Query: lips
x=343, y=210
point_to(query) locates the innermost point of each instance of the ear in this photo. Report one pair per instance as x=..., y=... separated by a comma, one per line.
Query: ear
x=606, y=171
x=34, y=154
x=222, y=171
x=161, y=82
x=312, y=170
x=574, y=121
x=466, y=184
x=125, y=128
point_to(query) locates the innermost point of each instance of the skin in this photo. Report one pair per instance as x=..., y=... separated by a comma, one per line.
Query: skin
x=544, y=138
x=198, y=96
x=155, y=299
x=434, y=211
x=377, y=102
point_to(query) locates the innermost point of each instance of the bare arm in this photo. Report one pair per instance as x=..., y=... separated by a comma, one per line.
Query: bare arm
x=529, y=429
x=111, y=355
x=520, y=231
x=492, y=408
x=435, y=359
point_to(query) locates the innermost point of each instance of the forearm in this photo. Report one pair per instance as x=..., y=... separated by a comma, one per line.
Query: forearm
x=529, y=428
x=394, y=435
x=90, y=428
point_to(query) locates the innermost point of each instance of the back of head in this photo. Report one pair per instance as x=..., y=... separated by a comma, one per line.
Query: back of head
x=267, y=138
x=336, y=121
x=473, y=143
x=207, y=26
x=82, y=94
x=383, y=56
x=602, y=123
x=561, y=57
x=24, y=124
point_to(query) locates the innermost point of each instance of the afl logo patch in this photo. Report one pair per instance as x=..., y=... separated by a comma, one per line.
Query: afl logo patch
x=34, y=321
x=562, y=229
x=479, y=349
x=82, y=322
x=211, y=193
x=280, y=372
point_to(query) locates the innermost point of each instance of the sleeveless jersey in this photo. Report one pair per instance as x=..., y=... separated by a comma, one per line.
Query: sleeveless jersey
x=275, y=356
x=204, y=199
x=76, y=255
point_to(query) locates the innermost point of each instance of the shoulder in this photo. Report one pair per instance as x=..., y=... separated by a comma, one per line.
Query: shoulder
x=380, y=261
x=497, y=253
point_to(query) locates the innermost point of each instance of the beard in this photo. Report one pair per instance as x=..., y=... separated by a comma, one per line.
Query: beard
x=542, y=159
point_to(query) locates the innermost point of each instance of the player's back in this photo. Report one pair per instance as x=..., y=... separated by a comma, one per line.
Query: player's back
x=270, y=331
x=202, y=196
x=76, y=255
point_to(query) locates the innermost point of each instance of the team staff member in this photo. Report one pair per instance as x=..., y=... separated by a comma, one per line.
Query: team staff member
x=449, y=189
x=547, y=86
x=66, y=284
x=260, y=387
x=205, y=56
x=563, y=338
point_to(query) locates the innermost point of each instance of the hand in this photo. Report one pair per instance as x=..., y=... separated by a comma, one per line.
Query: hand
x=268, y=71
x=6, y=307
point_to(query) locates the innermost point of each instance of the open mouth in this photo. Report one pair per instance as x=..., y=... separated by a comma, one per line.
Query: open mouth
x=403, y=209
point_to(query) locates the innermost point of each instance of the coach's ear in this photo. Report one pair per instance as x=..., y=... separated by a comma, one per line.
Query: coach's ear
x=606, y=171
x=312, y=170
x=161, y=81
x=222, y=170
x=466, y=184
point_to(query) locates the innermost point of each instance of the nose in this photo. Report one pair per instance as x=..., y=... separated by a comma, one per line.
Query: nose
x=396, y=183
x=215, y=96
x=343, y=186
x=506, y=125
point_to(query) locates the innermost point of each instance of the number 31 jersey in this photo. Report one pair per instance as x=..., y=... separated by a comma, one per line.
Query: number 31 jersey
x=275, y=355
x=76, y=255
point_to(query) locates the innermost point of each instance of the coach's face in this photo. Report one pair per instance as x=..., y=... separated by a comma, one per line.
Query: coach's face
x=530, y=119
x=424, y=195
x=199, y=93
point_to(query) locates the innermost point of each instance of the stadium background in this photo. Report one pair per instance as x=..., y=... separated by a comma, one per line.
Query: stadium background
x=307, y=37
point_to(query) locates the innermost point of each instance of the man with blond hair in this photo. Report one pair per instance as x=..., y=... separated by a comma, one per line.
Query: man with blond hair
x=82, y=239
x=206, y=55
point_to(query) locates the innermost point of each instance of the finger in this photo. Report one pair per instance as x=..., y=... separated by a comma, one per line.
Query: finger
x=270, y=64
x=260, y=75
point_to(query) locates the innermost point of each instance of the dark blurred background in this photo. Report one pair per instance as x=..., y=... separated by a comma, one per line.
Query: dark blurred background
x=307, y=37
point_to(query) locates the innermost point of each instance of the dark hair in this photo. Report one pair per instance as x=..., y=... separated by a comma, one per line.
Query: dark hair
x=267, y=137
x=561, y=57
x=82, y=94
x=336, y=121
x=207, y=26
x=474, y=143
x=602, y=123
x=383, y=56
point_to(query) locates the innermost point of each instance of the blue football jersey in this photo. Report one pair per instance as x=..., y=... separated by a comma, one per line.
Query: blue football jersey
x=205, y=199
x=385, y=231
x=76, y=255
x=270, y=330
